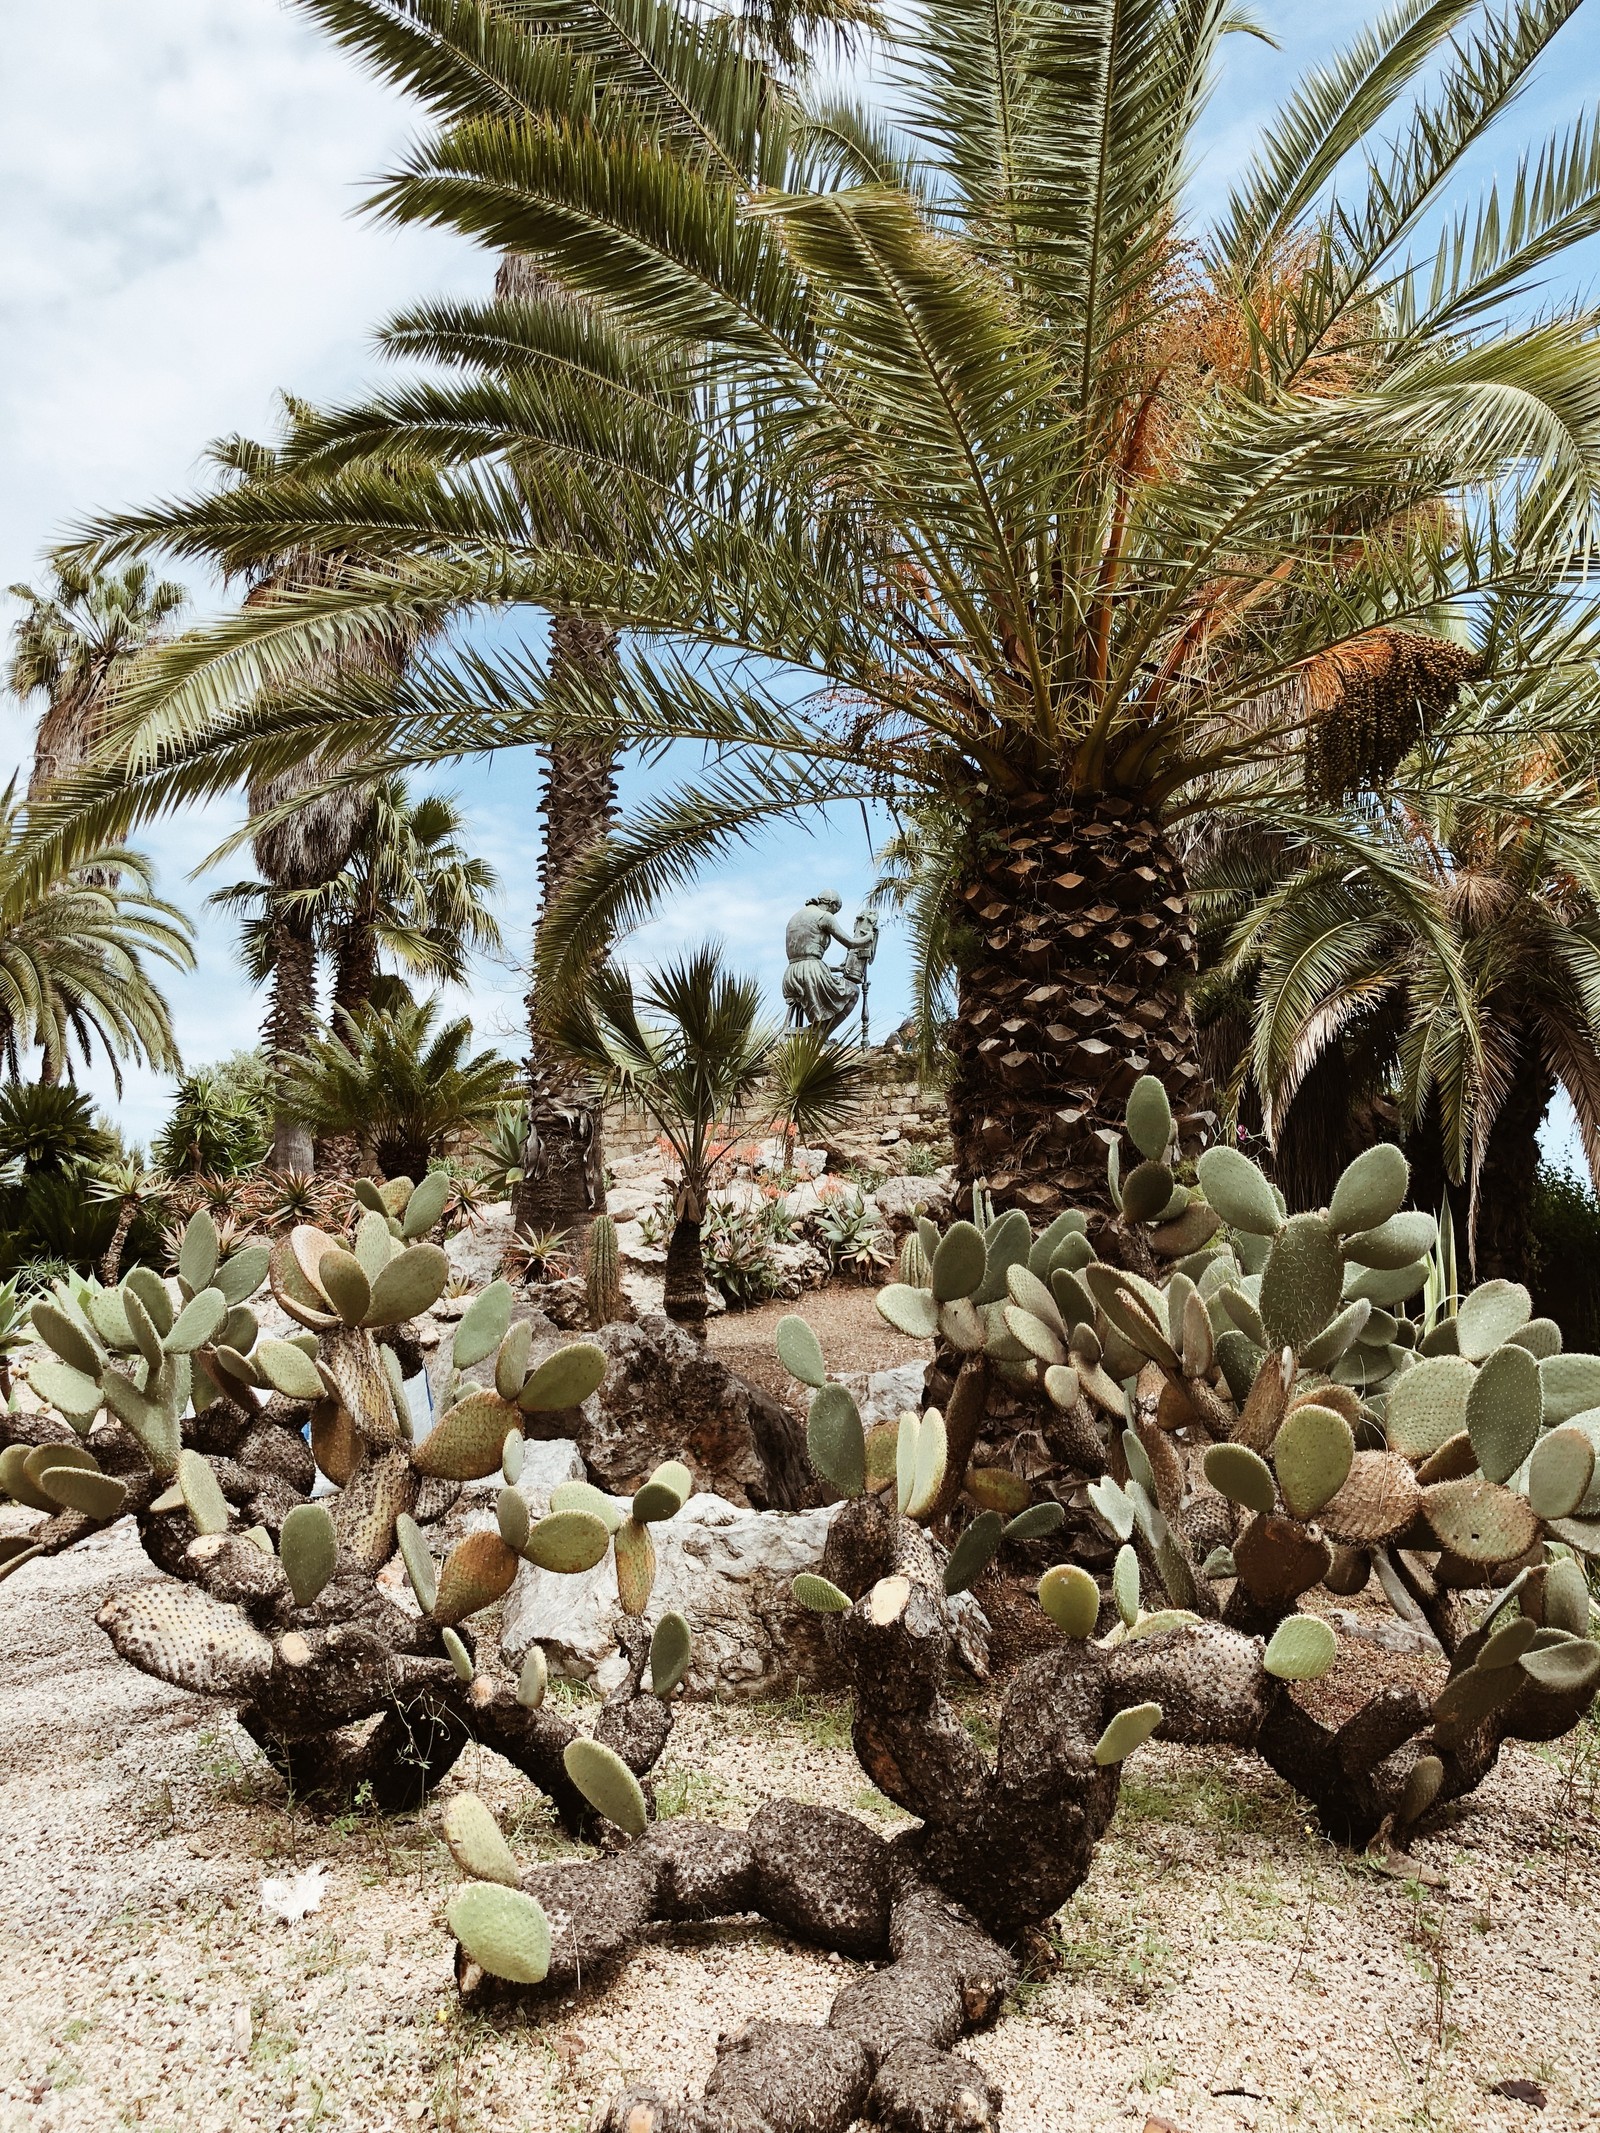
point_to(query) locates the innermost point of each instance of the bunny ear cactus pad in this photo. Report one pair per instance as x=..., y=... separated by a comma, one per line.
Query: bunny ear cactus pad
x=410, y=1283
x=565, y=1379
x=972, y=1553
x=1149, y=1118
x=1302, y=1648
x=800, y=1352
x=476, y=1843
x=1371, y=1190
x=426, y=1205
x=636, y=1566
x=1241, y=1475
x=418, y=1559
x=1559, y=1473
x=505, y=1932
x=670, y=1649
x=835, y=1440
x=197, y=1255
x=1504, y=1410
x=308, y=1548
x=819, y=1594
x=959, y=1263
x=568, y=1542
x=1490, y=1316
x=478, y=1571
x=1312, y=1453
x=466, y=1442
x=607, y=1784
x=1130, y=1729
x=1071, y=1598
x=511, y=1361
x=1479, y=1521
x=1239, y=1192
x=910, y=1311
x=484, y=1325
x=1428, y=1405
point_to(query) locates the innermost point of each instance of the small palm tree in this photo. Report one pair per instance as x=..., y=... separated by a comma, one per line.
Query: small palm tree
x=126, y=1182
x=400, y=1083
x=74, y=642
x=692, y=1047
x=74, y=949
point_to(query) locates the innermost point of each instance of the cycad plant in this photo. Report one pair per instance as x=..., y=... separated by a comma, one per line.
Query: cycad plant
x=400, y=1083
x=690, y=1045
x=951, y=459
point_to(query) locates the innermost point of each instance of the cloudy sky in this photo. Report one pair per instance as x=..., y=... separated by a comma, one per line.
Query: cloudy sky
x=181, y=242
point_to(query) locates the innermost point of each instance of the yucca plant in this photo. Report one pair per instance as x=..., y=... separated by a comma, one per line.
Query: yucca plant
x=950, y=460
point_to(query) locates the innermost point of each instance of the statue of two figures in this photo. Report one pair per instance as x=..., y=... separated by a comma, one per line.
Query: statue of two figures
x=819, y=993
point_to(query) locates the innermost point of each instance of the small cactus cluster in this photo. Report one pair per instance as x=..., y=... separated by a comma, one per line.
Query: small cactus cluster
x=176, y=1408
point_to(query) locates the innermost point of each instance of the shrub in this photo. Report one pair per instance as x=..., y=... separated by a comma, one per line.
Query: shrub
x=1566, y=1231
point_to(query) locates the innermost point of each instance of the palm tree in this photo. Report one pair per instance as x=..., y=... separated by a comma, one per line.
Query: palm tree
x=409, y=891
x=1453, y=970
x=690, y=1045
x=398, y=1082
x=74, y=952
x=954, y=463
x=72, y=645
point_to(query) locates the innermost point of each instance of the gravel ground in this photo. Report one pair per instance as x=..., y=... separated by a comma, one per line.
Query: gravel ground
x=1221, y=1969
x=844, y=1318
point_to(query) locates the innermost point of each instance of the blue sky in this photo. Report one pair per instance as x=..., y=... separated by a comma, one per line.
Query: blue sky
x=180, y=243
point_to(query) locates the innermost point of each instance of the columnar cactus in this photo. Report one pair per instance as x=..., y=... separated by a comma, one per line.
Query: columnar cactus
x=175, y=1409
x=602, y=1278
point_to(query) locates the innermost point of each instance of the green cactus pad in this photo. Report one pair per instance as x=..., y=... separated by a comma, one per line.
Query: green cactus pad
x=1506, y=1645
x=1559, y=1473
x=819, y=1594
x=1422, y=1789
x=1146, y=1191
x=534, y=1679
x=1339, y=1335
x=1395, y=1243
x=910, y=1311
x=835, y=1440
x=308, y=1548
x=512, y=1453
x=1489, y=1316
x=1160, y=1622
x=607, y=1783
x=418, y=1559
x=199, y=1322
x=1040, y=1339
x=1479, y=1521
x=14, y=1481
x=1312, y=1453
x=1036, y=1297
x=584, y=1496
x=565, y=1379
x=1111, y=1505
x=71, y=1392
x=1125, y=1585
x=502, y=1930
x=1504, y=1410
x=670, y=1648
x=242, y=1273
x=1219, y=1564
x=636, y=1566
x=1428, y=1405
x=511, y=1514
x=1038, y=1522
x=408, y=1285
x=346, y=1286
x=1139, y=1468
x=1241, y=1475
x=1302, y=1648
x=478, y=1571
x=426, y=1205
x=79, y=1488
x=1570, y=1385
x=1301, y=1282
x=143, y=1327
x=1007, y=1243
x=70, y=1340
x=43, y=1459
x=1149, y=1117
x=1371, y=1191
x=1241, y=1308
x=476, y=1843
x=1071, y=1598
x=1566, y=1597
x=973, y=1552
x=145, y=1283
x=1042, y=1252
x=374, y=1245
x=1062, y=1386
x=800, y=1352
x=1238, y=1191
x=484, y=1325
x=1238, y=1358
x=1386, y=1287
x=656, y=1500
x=208, y=1507
x=288, y=1369
x=928, y=1474
x=1540, y=1336
x=456, y=1651
x=996, y=1488
x=465, y=1444
x=568, y=1542
x=1468, y=1697
x=105, y=1312
x=963, y=1325
x=511, y=1360
x=1130, y=1729
x=1562, y=1665
x=197, y=1255
x=394, y=1194
x=959, y=1263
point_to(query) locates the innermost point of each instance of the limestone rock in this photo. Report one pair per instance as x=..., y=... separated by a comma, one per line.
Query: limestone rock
x=881, y=1395
x=900, y=1198
x=474, y=1253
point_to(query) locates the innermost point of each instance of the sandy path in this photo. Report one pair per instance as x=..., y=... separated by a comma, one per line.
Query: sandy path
x=1222, y=1968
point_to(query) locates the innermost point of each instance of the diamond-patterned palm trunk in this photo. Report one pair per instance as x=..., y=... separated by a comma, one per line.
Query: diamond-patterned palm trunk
x=1079, y=957
x=562, y=1183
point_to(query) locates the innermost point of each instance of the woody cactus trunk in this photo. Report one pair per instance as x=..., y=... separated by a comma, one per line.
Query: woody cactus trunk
x=1267, y=1420
x=173, y=1408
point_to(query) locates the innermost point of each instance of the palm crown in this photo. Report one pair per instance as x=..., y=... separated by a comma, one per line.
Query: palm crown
x=946, y=457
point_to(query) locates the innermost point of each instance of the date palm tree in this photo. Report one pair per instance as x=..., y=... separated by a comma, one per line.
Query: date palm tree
x=952, y=460
x=689, y=1044
x=72, y=644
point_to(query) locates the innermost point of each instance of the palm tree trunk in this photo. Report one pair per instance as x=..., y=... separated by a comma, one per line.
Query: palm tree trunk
x=111, y=1264
x=1505, y=1246
x=61, y=744
x=1075, y=986
x=684, y=1300
x=355, y=965
x=290, y=1016
x=562, y=1183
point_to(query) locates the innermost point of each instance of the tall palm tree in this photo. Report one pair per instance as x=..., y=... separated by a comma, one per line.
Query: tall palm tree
x=72, y=644
x=690, y=1046
x=74, y=957
x=957, y=461
x=1456, y=969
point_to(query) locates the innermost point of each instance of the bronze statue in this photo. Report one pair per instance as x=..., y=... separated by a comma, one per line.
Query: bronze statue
x=815, y=991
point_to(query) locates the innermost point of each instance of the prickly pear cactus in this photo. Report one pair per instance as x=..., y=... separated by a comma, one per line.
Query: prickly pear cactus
x=174, y=1407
